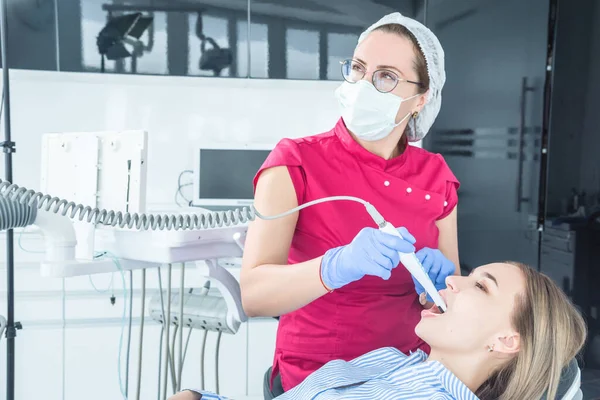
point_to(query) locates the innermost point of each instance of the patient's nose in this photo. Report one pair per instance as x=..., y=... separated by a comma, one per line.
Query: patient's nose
x=452, y=283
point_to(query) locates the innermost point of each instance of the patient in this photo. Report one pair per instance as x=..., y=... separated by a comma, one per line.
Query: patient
x=507, y=334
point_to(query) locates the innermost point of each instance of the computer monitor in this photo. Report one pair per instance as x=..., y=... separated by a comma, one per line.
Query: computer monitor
x=223, y=176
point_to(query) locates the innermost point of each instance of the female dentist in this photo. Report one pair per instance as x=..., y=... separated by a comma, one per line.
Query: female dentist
x=327, y=270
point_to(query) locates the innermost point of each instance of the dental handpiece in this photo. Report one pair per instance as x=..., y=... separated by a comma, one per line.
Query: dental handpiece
x=413, y=265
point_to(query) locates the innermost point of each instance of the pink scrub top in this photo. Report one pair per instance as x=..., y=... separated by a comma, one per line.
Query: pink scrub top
x=413, y=190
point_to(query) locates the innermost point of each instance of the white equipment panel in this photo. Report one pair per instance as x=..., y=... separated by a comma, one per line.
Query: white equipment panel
x=101, y=169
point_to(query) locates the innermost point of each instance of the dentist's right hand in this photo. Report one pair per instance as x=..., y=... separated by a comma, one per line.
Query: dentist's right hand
x=371, y=252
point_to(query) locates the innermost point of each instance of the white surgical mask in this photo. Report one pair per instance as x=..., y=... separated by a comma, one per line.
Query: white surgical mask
x=368, y=113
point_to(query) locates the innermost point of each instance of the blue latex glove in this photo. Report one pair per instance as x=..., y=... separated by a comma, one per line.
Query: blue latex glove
x=437, y=266
x=371, y=252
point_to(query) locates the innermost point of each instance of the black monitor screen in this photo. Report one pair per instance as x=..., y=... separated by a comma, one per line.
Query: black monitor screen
x=228, y=174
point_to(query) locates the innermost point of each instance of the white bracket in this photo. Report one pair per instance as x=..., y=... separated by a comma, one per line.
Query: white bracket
x=230, y=290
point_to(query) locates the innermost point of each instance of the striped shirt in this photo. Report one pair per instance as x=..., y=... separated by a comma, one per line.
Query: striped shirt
x=385, y=373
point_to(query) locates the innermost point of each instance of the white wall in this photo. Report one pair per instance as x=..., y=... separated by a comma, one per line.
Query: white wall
x=71, y=332
x=178, y=113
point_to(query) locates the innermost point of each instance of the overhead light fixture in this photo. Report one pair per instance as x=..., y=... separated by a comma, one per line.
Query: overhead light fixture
x=119, y=31
x=214, y=59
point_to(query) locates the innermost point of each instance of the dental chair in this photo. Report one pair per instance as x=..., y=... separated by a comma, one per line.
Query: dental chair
x=568, y=389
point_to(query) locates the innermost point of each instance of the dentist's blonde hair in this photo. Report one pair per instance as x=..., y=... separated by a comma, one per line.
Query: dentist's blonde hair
x=552, y=332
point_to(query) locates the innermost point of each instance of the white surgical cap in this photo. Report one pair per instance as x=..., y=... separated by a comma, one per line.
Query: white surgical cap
x=434, y=58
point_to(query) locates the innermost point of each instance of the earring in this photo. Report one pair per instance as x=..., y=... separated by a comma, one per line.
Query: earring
x=491, y=348
x=415, y=114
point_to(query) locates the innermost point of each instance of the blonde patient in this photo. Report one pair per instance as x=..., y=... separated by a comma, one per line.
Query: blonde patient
x=507, y=334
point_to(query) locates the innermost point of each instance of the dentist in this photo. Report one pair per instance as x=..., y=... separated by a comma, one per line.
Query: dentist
x=328, y=272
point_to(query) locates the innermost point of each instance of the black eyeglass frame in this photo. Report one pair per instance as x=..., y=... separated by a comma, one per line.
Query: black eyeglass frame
x=398, y=79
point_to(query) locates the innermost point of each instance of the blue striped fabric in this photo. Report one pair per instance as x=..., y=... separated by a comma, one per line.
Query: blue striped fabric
x=206, y=395
x=382, y=374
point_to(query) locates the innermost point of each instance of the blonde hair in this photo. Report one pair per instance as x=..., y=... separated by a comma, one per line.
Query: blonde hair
x=552, y=333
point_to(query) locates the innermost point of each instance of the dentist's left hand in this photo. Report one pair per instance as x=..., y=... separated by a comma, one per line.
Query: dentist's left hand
x=437, y=266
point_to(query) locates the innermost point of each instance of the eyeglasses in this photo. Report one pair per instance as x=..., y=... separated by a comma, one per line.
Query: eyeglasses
x=384, y=80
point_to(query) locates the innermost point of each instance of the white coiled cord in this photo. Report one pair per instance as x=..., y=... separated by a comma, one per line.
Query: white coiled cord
x=72, y=210
x=215, y=219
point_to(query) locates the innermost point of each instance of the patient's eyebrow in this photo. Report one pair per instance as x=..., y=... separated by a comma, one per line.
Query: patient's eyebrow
x=490, y=277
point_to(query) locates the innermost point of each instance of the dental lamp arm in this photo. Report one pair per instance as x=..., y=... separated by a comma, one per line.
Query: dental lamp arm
x=199, y=27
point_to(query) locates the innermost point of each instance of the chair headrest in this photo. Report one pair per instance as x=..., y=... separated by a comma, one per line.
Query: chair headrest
x=567, y=379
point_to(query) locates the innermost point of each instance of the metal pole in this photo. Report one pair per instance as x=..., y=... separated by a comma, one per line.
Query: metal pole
x=8, y=147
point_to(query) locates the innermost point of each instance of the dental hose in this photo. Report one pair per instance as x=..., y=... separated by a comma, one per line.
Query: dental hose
x=204, y=292
x=160, y=351
x=166, y=324
x=187, y=341
x=162, y=333
x=180, y=322
x=173, y=369
x=129, y=333
x=141, y=344
x=217, y=361
x=141, y=221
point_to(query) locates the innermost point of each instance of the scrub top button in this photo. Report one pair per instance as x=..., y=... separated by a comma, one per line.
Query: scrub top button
x=427, y=197
x=386, y=183
x=445, y=204
x=408, y=190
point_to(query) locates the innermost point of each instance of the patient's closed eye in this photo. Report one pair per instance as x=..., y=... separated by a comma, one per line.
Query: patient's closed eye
x=481, y=287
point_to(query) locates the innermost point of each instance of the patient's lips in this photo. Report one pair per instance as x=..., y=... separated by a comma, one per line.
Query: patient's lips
x=432, y=312
x=435, y=310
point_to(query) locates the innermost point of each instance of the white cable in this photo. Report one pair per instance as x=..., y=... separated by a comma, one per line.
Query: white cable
x=166, y=324
x=173, y=369
x=187, y=342
x=160, y=351
x=217, y=360
x=129, y=333
x=203, y=292
x=120, y=269
x=202, y=351
x=153, y=221
x=141, y=344
x=181, y=325
x=162, y=333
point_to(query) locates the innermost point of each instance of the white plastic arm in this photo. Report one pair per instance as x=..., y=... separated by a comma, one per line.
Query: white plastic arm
x=230, y=290
x=59, y=236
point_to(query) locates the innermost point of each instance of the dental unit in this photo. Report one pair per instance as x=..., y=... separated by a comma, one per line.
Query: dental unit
x=107, y=170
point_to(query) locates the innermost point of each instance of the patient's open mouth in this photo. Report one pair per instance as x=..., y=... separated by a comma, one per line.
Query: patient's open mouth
x=433, y=311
